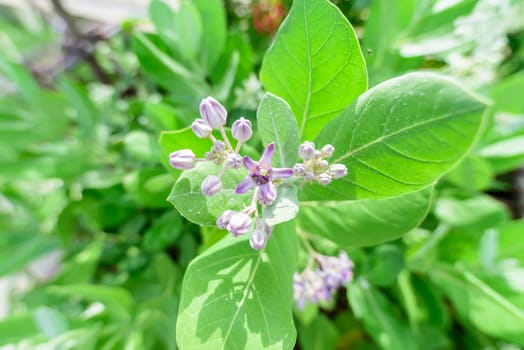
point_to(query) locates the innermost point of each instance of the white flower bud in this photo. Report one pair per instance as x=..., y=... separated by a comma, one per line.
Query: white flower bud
x=324, y=179
x=223, y=219
x=306, y=150
x=201, y=128
x=338, y=170
x=213, y=112
x=234, y=160
x=211, y=185
x=327, y=151
x=239, y=223
x=183, y=159
x=241, y=129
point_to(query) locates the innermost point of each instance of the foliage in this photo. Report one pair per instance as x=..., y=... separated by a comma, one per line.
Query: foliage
x=96, y=257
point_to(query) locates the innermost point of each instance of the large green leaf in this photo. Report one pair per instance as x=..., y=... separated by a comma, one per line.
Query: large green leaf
x=234, y=297
x=188, y=199
x=214, y=33
x=277, y=124
x=379, y=316
x=489, y=304
x=315, y=64
x=180, y=28
x=365, y=222
x=399, y=137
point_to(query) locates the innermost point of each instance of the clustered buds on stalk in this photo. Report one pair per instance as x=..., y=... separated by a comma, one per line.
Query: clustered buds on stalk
x=262, y=177
x=320, y=284
x=315, y=167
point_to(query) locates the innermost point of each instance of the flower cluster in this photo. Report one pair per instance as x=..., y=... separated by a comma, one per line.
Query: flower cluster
x=262, y=177
x=315, y=166
x=320, y=284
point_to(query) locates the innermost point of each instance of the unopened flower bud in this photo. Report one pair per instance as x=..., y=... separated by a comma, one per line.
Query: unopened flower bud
x=322, y=165
x=299, y=169
x=223, y=219
x=183, y=159
x=234, y=160
x=258, y=239
x=309, y=175
x=327, y=151
x=211, y=185
x=306, y=150
x=324, y=179
x=241, y=129
x=338, y=170
x=239, y=223
x=213, y=112
x=218, y=146
x=201, y=128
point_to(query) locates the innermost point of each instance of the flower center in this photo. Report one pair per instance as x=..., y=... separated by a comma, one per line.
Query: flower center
x=261, y=176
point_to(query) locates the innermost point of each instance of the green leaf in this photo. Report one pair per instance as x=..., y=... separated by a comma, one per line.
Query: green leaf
x=473, y=174
x=17, y=328
x=315, y=64
x=51, y=322
x=234, y=297
x=180, y=27
x=505, y=155
x=365, y=222
x=379, y=316
x=166, y=72
x=118, y=300
x=399, y=137
x=320, y=334
x=188, y=199
x=277, y=124
x=383, y=265
x=79, y=99
x=475, y=213
x=284, y=208
x=504, y=97
x=214, y=33
x=490, y=305
x=164, y=232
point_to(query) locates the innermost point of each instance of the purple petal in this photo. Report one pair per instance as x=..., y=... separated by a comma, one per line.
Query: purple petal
x=245, y=185
x=250, y=164
x=279, y=173
x=267, y=193
x=267, y=157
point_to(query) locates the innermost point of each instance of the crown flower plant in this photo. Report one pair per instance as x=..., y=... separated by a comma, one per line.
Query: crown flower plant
x=262, y=177
x=325, y=167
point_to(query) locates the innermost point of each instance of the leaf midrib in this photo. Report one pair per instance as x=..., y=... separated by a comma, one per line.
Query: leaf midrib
x=412, y=126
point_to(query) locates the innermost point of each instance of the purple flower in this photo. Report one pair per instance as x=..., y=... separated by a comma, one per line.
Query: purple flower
x=213, y=112
x=183, y=159
x=262, y=174
x=211, y=185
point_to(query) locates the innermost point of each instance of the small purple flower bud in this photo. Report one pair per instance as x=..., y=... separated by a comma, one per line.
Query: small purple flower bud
x=258, y=239
x=201, y=128
x=241, y=129
x=223, y=219
x=234, y=160
x=306, y=150
x=322, y=165
x=299, y=291
x=324, y=179
x=239, y=223
x=267, y=193
x=327, y=151
x=309, y=175
x=213, y=112
x=218, y=146
x=211, y=185
x=299, y=169
x=317, y=154
x=183, y=159
x=338, y=170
